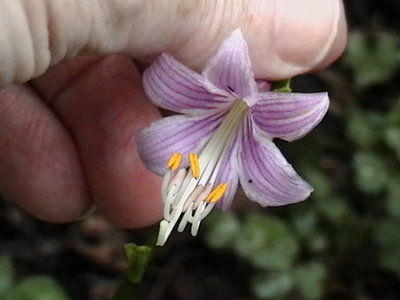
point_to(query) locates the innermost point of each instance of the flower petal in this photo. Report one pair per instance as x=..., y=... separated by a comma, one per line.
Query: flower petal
x=173, y=86
x=265, y=175
x=228, y=173
x=230, y=69
x=289, y=116
x=181, y=134
x=263, y=85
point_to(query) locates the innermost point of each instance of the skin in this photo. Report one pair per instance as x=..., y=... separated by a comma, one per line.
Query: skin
x=71, y=100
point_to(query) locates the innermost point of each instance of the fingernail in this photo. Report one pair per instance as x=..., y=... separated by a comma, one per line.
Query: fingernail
x=305, y=30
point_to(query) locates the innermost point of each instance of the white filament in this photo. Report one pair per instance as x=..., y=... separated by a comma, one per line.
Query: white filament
x=185, y=196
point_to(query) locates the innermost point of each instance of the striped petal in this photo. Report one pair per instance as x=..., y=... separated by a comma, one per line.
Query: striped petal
x=265, y=175
x=173, y=86
x=230, y=69
x=289, y=116
x=182, y=134
x=229, y=174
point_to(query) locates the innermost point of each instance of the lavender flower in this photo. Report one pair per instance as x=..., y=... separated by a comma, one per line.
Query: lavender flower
x=223, y=136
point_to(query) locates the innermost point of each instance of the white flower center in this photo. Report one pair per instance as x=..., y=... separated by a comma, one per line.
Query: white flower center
x=191, y=195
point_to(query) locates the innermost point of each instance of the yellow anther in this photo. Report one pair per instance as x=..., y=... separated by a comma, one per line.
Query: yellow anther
x=175, y=161
x=194, y=165
x=217, y=193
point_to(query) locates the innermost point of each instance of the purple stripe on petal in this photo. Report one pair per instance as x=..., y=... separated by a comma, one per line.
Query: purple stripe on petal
x=173, y=86
x=289, y=116
x=228, y=173
x=265, y=175
x=182, y=134
x=230, y=69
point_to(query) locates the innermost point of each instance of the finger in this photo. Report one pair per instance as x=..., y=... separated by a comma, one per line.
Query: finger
x=316, y=37
x=103, y=106
x=285, y=37
x=39, y=166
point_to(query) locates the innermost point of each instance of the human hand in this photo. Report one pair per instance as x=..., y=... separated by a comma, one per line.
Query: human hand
x=67, y=137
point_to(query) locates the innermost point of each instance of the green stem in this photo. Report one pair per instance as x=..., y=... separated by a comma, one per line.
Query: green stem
x=282, y=86
x=139, y=259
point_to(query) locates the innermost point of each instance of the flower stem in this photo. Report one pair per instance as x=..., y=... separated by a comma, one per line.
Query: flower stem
x=282, y=86
x=139, y=258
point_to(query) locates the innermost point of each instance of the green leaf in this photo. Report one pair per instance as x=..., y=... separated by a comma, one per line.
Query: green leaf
x=364, y=128
x=139, y=258
x=393, y=196
x=321, y=183
x=318, y=242
x=222, y=229
x=282, y=86
x=272, y=285
x=309, y=279
x=333, y=208
x=37, y=288
x=393, y=116
x=267, y=243
x=305, y=222
x=392, y=138
x=352, y=232
x=6, y=276
x=372, y=171
x=387, y=236
x=387, y=233
x=374, y=59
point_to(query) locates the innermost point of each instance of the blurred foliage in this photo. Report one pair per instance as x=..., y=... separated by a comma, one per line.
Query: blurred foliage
x=266, y=242
x=387, y=236
x=29, y=288
x=373, y=59
x=37, y=288
x=6, y=276
x=345, y=239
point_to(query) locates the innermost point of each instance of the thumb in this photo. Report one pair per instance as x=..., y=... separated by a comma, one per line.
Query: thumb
x=285, y=37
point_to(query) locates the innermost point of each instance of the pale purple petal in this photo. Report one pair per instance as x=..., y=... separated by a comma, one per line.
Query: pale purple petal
x=173, y=86
x=230, y=69
x=181, y=134
x=265, y=175
x=228, y=173
x=263, y=86
x=289, y=116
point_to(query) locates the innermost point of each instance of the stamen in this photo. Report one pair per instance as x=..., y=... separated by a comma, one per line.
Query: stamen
x=185, y=218
x=202, y=197
x=207, y=210
x=192, y=198
x=188, y=195
x=167, y=206
x=194, y=165
x=161, y=235
x=177, y=180
x=165, y=183
x=183, y=190
x=175, y=161
x=170, y=187
x=197, y=218
x=217, y=193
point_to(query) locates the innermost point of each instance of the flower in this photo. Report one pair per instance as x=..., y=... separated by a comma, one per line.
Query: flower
x=223, y=136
